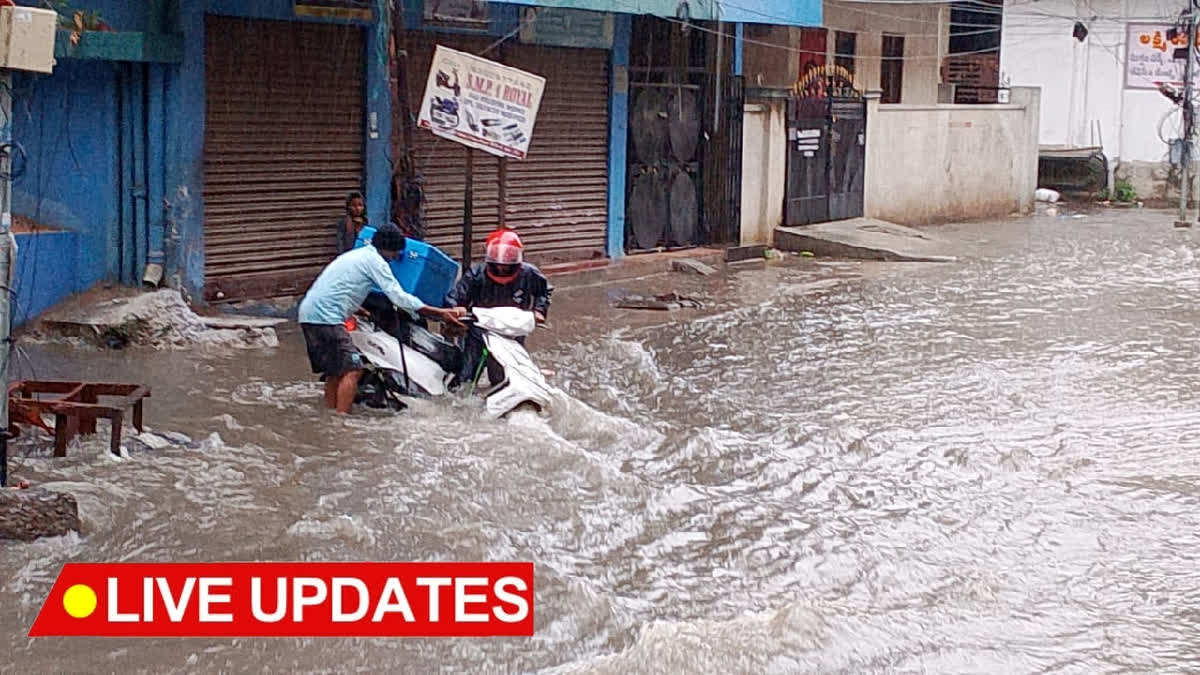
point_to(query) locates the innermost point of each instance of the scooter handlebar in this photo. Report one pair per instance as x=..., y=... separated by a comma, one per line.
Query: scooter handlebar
x=470, y=319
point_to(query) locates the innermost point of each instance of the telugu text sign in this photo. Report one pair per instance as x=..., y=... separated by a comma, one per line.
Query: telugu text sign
x=1150, y=57
x=481, y=104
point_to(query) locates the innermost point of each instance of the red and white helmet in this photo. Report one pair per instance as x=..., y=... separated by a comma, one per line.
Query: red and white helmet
x=504, y=256
x=504, y=247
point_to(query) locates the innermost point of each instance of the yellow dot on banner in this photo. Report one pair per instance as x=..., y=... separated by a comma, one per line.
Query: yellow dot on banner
x=79, y=601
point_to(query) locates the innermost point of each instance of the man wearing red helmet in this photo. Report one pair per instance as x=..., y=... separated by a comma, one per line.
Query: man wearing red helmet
x=504, y=279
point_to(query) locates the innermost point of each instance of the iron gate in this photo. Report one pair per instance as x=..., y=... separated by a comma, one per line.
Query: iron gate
x=827, y=142
x=684, y=139
x=666, y=170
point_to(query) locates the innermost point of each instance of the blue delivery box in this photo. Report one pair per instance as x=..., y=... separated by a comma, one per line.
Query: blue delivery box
x=422, y=270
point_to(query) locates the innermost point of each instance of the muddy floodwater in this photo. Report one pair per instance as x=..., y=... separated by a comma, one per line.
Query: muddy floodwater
x=985, y=466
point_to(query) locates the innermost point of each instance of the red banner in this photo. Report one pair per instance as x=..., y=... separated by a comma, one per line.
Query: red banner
x=289, y=600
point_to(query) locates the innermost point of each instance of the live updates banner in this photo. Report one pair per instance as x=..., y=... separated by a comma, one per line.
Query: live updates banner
x=243, y=599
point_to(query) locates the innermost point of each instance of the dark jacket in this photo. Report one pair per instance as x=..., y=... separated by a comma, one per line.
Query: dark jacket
x=530, y=290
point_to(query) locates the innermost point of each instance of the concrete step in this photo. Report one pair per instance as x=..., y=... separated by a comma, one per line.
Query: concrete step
x=629, y=266
x=864, y=239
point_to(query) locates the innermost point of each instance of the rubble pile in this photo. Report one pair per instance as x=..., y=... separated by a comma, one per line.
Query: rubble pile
x=160, y=320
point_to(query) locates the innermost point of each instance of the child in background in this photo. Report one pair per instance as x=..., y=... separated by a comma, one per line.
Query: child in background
x=352, y=223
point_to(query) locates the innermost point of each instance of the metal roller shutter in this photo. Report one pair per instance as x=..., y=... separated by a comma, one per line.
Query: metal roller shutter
x=283, y=146
x=557, y=198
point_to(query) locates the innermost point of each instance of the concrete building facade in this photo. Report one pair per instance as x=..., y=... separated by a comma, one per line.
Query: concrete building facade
x=926, y=160
x=1099, y=91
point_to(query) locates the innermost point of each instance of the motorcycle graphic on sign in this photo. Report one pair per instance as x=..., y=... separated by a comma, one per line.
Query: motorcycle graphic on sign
x=443, y=110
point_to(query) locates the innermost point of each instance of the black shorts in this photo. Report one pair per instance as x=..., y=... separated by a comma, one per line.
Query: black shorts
x=330, y=350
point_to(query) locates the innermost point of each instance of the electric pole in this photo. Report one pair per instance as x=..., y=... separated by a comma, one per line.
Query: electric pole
x=7, y=263
x=1186, y=151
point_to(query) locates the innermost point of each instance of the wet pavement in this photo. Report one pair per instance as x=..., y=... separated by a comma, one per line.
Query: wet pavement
x=983, y=466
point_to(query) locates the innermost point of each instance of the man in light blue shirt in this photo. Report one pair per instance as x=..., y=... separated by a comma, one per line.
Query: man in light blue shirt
x=336, y=294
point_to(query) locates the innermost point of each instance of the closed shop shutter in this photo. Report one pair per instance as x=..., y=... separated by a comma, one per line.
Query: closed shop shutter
x=283, y=147
x=556, y=198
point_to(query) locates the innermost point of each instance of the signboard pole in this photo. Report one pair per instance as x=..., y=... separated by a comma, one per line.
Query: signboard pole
x=468, y=204
x=502, y=202
x=1185, y=171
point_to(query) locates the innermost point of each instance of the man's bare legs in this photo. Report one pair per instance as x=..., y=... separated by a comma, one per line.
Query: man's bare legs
x=341, y=390
x=347, y=388
x=331, y=387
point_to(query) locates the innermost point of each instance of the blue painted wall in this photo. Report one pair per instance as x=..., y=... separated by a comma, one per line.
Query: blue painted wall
x=67, y=124
x=44, y=276
x=185, y=155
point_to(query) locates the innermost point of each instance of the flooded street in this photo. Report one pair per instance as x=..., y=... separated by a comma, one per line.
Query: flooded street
x=984, y=466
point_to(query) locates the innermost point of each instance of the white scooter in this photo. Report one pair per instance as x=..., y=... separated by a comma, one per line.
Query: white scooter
x=425, y=364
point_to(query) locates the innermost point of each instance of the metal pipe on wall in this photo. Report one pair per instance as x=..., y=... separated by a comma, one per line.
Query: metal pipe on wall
x=502, y=202
x=121, y=251
x=156, y=163
x=139, y=226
